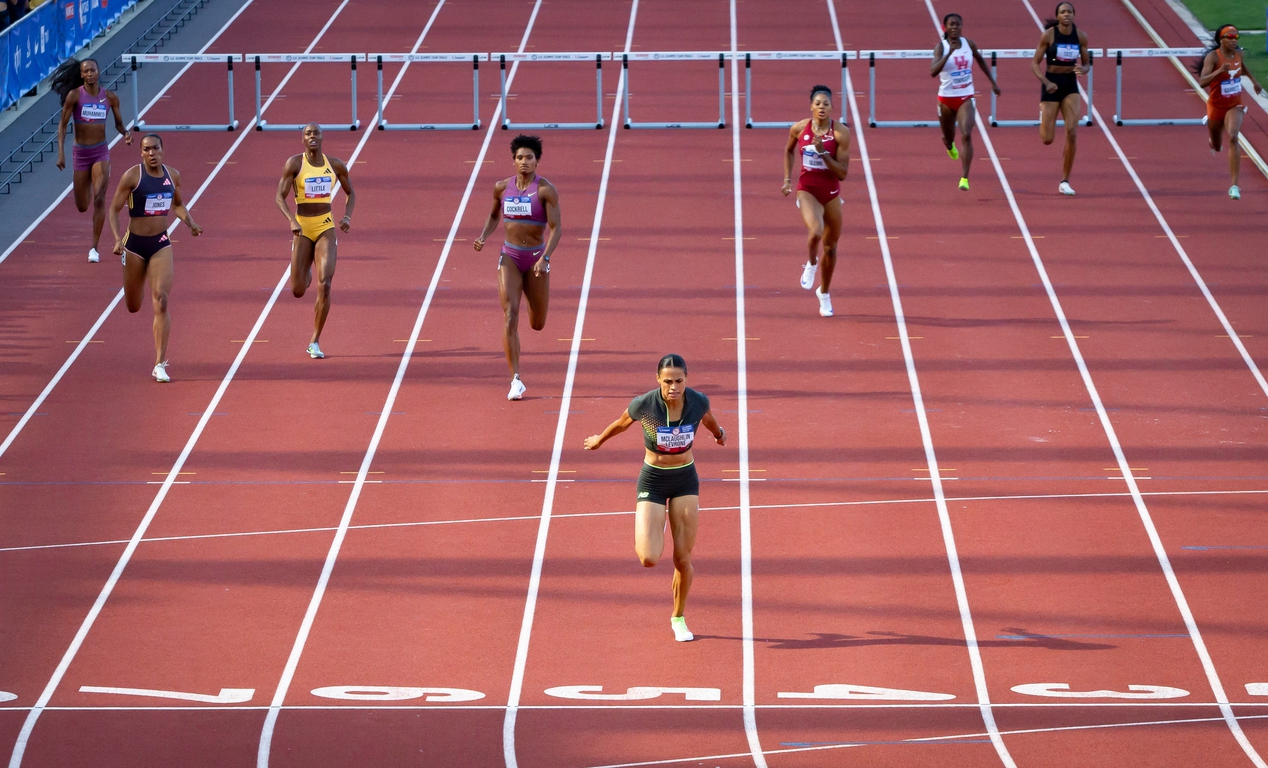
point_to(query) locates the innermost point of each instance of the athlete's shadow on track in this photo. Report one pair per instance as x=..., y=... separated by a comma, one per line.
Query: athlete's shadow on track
x=822, y=640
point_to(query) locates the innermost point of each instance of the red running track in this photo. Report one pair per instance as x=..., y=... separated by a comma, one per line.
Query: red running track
x=851, y=588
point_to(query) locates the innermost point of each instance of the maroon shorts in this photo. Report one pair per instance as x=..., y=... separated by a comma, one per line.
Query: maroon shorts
x=522, y=258
x=823, y=190
x=87, y=157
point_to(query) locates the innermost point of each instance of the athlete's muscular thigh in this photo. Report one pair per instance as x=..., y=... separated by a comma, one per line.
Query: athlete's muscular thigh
x=301, y=264
x=325, y=254
x=537, y=291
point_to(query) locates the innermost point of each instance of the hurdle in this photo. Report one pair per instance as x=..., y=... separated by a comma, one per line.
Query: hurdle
x=749, y=56
x=301, y=58
x=414, y=58
x=136, y=59
x=1029, y=53
x=502, y=58
x=1147, y=53
x=872, y=56
x=676, y=56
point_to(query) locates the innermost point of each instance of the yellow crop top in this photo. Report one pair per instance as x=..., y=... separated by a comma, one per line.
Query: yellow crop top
x=315, y=183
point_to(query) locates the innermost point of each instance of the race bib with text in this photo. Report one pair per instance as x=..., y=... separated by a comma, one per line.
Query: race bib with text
x=158, y=204
x=811, y=160
x=1231, y=87
x=675, y=439
x=318, y=186
x=519, y=205
x=93, y=112
x=1067, y=52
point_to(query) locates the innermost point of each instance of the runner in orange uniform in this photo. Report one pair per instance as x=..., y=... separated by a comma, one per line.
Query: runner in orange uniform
x=1221, y=75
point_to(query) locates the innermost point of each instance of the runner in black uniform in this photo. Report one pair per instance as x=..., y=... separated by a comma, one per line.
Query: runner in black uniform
x=1065, y=48
x=150, y=191
x=670, y=416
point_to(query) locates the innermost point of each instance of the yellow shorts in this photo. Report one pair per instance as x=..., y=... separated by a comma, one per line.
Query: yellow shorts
x=312, y=227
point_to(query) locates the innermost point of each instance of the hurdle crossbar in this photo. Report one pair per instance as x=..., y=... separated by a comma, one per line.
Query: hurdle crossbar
x=302, y=58
x=596, y=57
x=721, y=57
x=750, y=56
x=413, y=58
x=1029, y=53
x=137, y=59
x=1146, y=53
x=871, y=57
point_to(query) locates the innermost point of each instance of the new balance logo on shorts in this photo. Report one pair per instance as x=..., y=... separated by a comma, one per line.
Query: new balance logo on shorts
x=643, y=494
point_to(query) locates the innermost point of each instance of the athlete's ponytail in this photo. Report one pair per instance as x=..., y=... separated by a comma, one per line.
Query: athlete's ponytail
x=1050, y=23
x=947, y=18
x=671, y=361
x=68, y=77
x=1215, y=44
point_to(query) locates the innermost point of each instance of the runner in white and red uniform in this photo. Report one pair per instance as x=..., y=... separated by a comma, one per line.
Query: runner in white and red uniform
x=953, y=63
x=823, y=147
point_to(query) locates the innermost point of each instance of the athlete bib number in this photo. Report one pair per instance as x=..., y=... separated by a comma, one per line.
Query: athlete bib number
x=93, y=112
x=812, y=160
x=961, y=78
x=675, y=439
x=158, y=204
x=1231, y=87
x=318, y=186
x=517, y=206
x=1067, y=52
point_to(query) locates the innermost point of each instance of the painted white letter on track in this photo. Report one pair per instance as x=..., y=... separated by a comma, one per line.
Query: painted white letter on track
x=396, y=693
x=866, y=693
x=1062, y=691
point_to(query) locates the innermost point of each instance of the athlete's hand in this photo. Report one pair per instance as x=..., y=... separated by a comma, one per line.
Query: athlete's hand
x=995, y=87
x=345, y=224
x=592, y=443
x=296, y=229
x=1049, y=86
x=819, y=146
x=127, y=138
x=118, y=247
x=478, y=244
x=721, y=439
x=61, y=161
x=1226, y=68
x=542, y=267
x=194, y=229
x=787, y=188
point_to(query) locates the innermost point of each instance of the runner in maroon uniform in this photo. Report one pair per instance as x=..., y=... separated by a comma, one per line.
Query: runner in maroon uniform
x=824, y=149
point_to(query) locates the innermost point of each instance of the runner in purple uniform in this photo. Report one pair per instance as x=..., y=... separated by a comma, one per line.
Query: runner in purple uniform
x=86, y=103
x=530, y=205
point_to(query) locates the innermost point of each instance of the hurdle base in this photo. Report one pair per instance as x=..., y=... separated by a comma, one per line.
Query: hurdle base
x=1032, y=123
x=186, y=128
x=507, y=125
x=265, y=125
x=386, y=126
x=711, y=125
x=1157, y=121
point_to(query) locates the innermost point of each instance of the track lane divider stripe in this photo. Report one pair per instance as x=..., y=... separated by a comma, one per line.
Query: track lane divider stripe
x=1146, y=519
x=741, y=430
x=926, y=436
x=28, y=725
x=116, y=139
x=561, y=426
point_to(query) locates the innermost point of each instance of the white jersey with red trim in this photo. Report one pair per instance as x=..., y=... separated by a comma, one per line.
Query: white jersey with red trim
x=957, y=72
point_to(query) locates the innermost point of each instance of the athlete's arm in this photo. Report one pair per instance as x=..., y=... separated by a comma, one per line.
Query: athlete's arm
x=113, y=100
x=1210, y=71
x=977, y=55
x=131, y=178
x=550, y=200
x=615, y=428
x=495, y=215
x=839, y=161
x=178, y=204
x=940, y=55
x=68, y=107
x=1085, y=56
x=789, y=153
x=1045, y=42
x=341, y=173
x=711, y=424
x=284, y=186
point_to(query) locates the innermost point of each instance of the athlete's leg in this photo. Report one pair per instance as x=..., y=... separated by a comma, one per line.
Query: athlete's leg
x=301, y=265
x=100, y=181
x=510, y=288
x=683, y=523
x=1215, y=131
x=1071, y=106
x=161, y=271
x=967, y=120
x=134, y=274
x=325, y=254
x=812, y=214
x=831, y=233
x=1233, y=124
x=946, y=121
x=1048, y=121
x=83, y=189
x=649, y=532
x=537, y=291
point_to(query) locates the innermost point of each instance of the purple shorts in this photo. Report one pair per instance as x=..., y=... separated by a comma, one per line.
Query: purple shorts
x=523, y=258
x=87, y=157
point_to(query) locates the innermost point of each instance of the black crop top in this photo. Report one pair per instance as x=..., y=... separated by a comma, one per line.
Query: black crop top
x=152, y=196
x=661, y=436
x=1065, y=50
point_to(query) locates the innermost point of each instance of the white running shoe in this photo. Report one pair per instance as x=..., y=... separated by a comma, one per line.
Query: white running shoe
x=93, y=256
x=1235, y=192
x=681, y=633
x=1065, y=188
x=517, y=389
x=825, y=303
x=160, y=373
x=315, y=352
x=808, y=275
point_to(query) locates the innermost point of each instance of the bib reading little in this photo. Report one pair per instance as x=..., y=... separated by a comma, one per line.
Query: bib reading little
x=318, y=186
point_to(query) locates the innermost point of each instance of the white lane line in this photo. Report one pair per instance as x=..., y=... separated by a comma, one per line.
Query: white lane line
x=741, y=430
x=552, y=478
x=385, y=413
x=28, y=725
x=116, y=139
x=1166, y=228
x=1146, y=519
x=521, y=518
x=926, y=436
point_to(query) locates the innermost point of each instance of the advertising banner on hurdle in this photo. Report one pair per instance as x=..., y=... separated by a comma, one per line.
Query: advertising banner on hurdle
x=293, y=59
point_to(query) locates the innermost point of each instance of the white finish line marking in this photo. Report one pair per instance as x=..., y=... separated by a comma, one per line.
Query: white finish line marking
x=637, y=693
x=866, y=693
x=226, y=695
x=396, y=693
x=1062, y=691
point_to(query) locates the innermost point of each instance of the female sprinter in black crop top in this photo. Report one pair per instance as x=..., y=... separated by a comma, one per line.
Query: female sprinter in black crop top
x=150, y=191
x=670, y=416
x=1065, y=48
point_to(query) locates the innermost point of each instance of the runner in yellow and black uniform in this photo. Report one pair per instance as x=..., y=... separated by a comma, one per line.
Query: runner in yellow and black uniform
x=312, y=175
